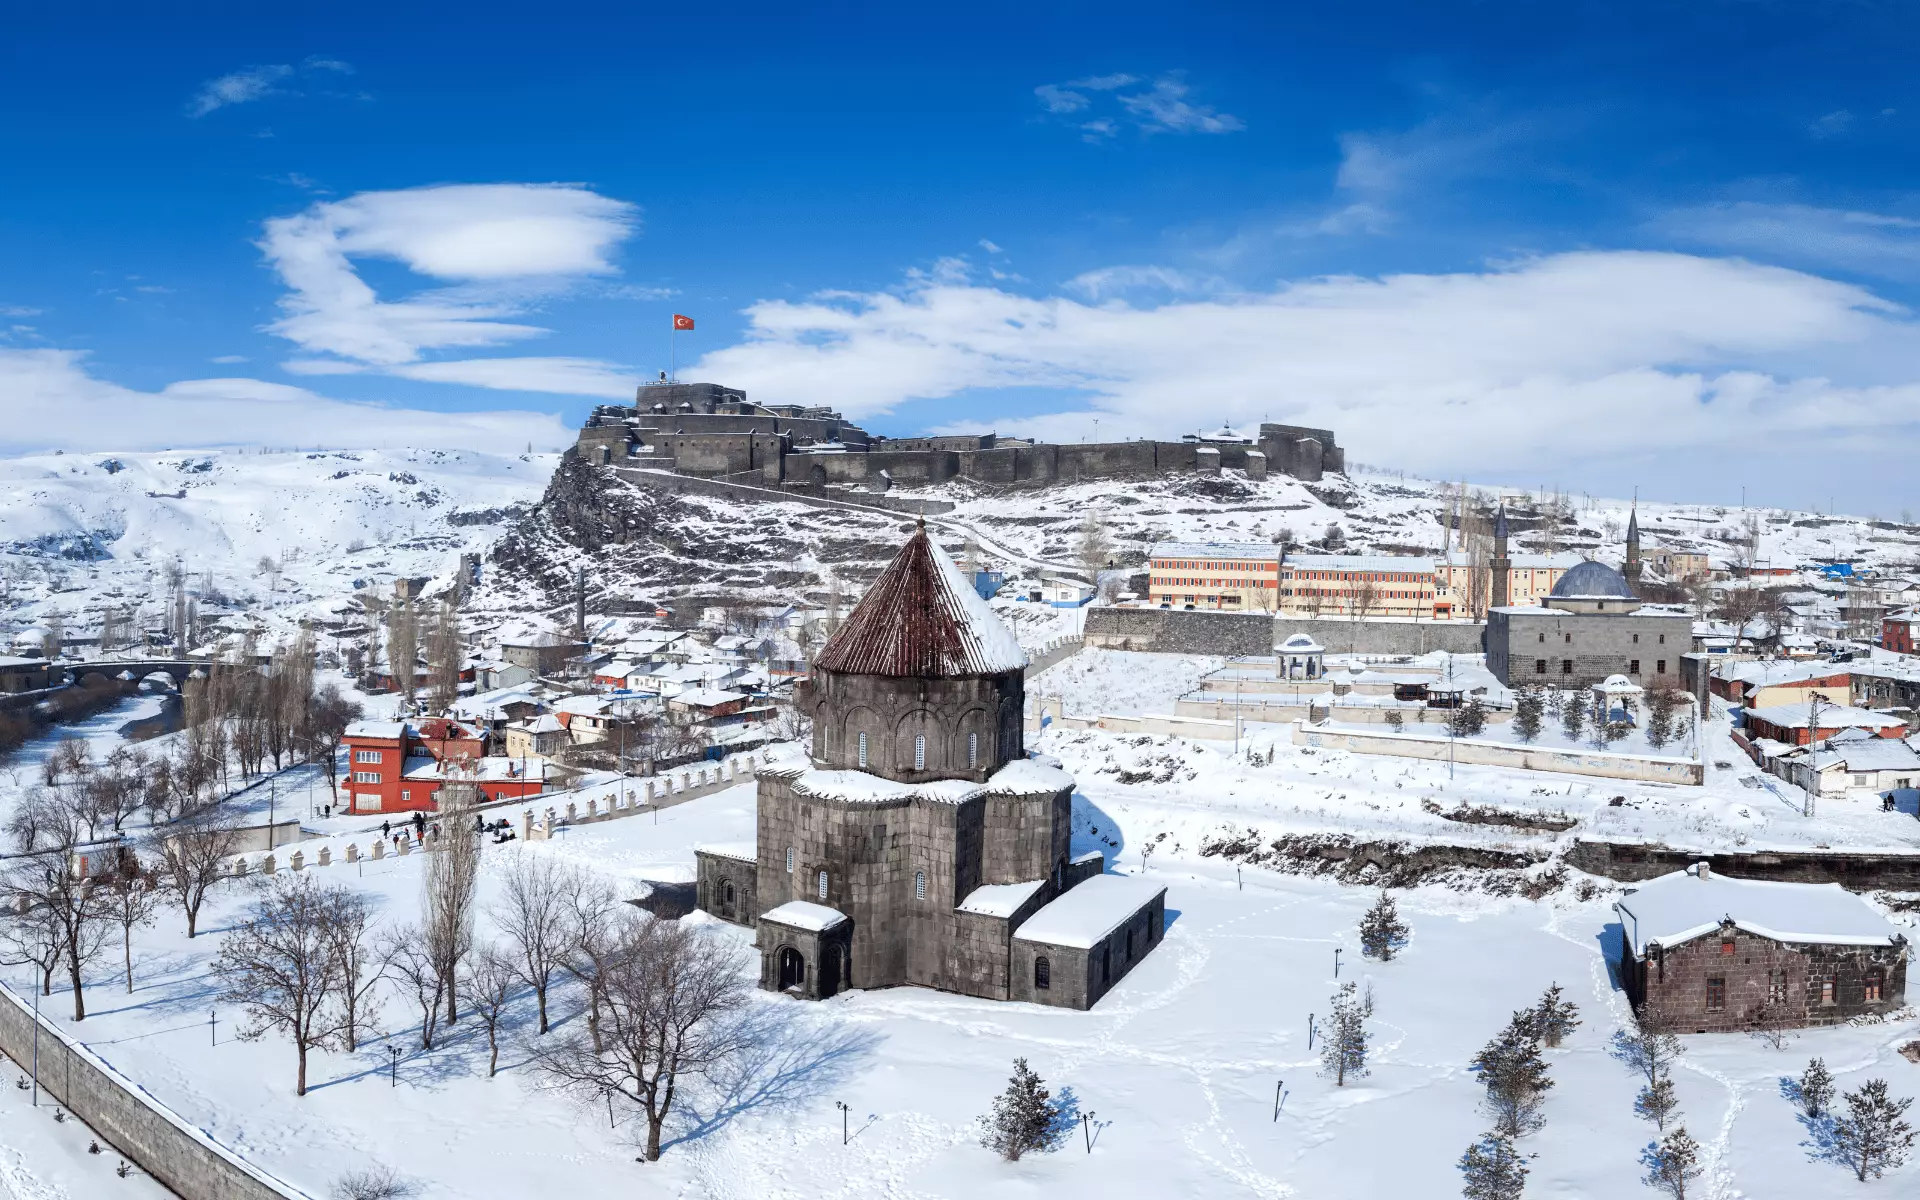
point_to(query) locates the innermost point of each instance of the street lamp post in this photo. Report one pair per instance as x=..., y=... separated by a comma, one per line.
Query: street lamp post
x=1086, y=1128
x=843, y=1107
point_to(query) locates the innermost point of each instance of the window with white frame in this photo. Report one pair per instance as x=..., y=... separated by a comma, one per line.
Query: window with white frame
x=863, y=750
x=973, y=750
x=919, y=885
x=789, y=860
x=366, y=777
x=821, y=885
x=366, y=756
x=919, y=751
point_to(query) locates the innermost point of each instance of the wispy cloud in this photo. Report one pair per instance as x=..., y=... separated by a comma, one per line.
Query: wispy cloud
x=18, y=310
x=494, y=249
x=1832, y=124
x=53, y=401
x=257, y=83
x=1868, y=243
x=1159, y=106
x=1551, y=363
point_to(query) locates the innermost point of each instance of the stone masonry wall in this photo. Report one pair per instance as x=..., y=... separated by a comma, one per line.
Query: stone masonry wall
x=1557, y=647
x=1674, y=985
x=159, y=1141
x=1180, y=631
x=1854, y=870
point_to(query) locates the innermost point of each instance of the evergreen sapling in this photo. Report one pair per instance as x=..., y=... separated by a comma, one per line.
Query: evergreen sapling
x=1343, y=1053
x=1024, y=1117
x=1815, y=1089
x=1874, y=1134
x=1382, y=932
x=1555, y=1018
x=1656, y=1102
x=1672, y=1163
x=1492, y=1170
x=1528, y=709
x=1515, y=1076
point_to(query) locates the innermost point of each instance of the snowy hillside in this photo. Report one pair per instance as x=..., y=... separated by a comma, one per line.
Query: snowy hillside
x=81, y=534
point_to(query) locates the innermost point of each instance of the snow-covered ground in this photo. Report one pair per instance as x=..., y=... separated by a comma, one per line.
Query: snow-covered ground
x=1178, y=1067
x=81, y=534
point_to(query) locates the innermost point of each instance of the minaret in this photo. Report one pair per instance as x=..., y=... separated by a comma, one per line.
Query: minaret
x=1631, y=571
x=1502, y=566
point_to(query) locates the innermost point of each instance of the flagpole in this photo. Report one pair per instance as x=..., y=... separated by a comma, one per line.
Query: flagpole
x=673, y=331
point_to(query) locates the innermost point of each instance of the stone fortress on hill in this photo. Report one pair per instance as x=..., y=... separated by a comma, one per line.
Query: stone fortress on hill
x=706, y=430
x=917, y=843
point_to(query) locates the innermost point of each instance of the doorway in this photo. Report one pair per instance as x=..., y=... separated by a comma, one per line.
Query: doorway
x=793, y=969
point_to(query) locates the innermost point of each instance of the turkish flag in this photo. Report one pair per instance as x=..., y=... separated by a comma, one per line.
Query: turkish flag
x=680, y=322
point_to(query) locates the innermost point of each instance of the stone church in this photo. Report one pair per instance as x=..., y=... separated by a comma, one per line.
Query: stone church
x=917, y=843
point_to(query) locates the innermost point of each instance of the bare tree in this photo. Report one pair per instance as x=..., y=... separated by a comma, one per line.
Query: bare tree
x=405, y=952
x=489, y=988
x=281, y=967
x=31, y=936
x=445, y=655
x=328, y=716
x=403, y=648
x=132, y=898
x=49, y=875
x=449, y=880
x=535, y=915
x=359, y=966
x=1095, y=549
x=193, y=859
x=673, y=993
x=593, y=908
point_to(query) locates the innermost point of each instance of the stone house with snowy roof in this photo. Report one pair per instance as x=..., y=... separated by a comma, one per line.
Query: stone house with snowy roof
x=917, y=843
x=1704, y=953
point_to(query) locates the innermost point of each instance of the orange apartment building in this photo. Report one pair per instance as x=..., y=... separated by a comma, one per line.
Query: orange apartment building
x=1367, y=585
x=1233, y=576
x=1531, y=579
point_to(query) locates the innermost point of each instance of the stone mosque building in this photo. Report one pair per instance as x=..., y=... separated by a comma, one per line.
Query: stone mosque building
x=1590, y=627
x=917, y=843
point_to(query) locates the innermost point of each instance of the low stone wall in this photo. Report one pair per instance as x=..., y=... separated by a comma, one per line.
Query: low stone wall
x=1177, y=631
x=150, y=1135
x=1277, y=712
x=1238, y=634
x=1527, y=758
x=1053, y=653
x=1153, y=723
x=1859, y=871
x=799, y=494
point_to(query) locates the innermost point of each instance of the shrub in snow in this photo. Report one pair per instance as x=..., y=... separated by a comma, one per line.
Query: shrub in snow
x=1492, y=1170
x=1395, y=721
x=1469, y=720
x=1659, y=717
x=1344, y=1052
x=1648, y=1049
x=1672, y=1163
x=1555, y=1018
x=1515, y=1076
x=370, y=1183
x=1873, y=1134
x=1814, y=1089
x=1382, y=932
x=1024, y=1118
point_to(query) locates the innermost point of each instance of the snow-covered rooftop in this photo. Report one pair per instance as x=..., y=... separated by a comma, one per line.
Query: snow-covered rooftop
x=1688, y=904
x=1265, y=551
x=391, y=730
x=1378, y=563
x=741, y=851
x=1021, y=777
x=999, y=899
x=1089, y=911
x=1832, y=716
x=922, y=619
x=804, y=914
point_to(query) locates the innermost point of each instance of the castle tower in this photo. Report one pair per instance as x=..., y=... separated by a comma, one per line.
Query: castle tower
x=1502, y=566
x=1631, y=571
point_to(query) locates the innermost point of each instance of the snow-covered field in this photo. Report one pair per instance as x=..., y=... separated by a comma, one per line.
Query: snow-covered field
x=1178, y=1067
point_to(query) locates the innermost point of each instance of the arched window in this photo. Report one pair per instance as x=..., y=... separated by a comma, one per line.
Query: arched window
x=919, y=751
x=726, y=893
x=863, y=750
x=973, y=749
x=1042, y=973
x=789, y=860
x=821, y=887
x=919, y=885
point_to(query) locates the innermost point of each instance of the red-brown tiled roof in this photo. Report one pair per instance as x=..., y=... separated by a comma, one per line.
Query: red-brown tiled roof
x=921, y=619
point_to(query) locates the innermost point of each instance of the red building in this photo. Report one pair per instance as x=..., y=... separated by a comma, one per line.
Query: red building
x=1896, y=632
x=396, y=767
x=1789, y=723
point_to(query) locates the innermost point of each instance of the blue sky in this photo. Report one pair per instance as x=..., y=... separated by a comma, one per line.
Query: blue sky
x=1670, y=245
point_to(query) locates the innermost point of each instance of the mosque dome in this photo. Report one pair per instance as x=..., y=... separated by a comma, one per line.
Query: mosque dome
x=1593, y=579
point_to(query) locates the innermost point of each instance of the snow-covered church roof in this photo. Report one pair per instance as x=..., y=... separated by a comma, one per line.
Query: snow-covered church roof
x=921, y=619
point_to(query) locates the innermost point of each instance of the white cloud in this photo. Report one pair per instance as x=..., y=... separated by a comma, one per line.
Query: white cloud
x=53, y=403
x=1114, y=281
x=240, y=87
x=1870, y=243
x=228, y=359
x=571, y=376
x=1543, y=365
x=1165, y=109
x=1832, y=124
x=499, y=246
x=1162, y=107
x=18, y=310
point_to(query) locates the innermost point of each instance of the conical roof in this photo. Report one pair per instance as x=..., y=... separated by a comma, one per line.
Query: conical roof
x=921, y=619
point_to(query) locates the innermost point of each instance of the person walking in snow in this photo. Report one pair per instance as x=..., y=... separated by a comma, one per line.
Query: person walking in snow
x=386, y=829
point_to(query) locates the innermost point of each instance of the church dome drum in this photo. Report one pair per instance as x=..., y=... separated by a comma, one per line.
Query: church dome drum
x=1594, y=580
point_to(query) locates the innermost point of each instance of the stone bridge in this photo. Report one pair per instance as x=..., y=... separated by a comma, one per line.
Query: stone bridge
x=179, y=670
